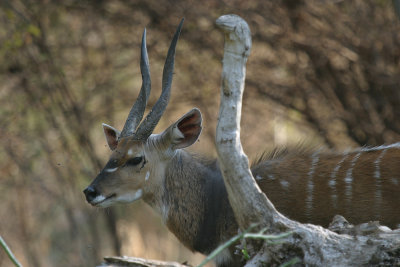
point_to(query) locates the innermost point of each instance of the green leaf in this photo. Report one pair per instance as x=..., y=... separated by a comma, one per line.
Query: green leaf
x=245, y=254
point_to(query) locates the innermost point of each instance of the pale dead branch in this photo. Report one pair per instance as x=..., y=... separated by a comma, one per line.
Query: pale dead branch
x=313, y=245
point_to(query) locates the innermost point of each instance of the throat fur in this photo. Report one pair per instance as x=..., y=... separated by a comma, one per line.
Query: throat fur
x=199, y=212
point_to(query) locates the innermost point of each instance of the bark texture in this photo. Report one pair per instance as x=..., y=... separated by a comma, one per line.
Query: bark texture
x=366, y=244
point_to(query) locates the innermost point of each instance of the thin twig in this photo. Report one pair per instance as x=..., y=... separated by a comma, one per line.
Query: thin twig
x=219, y=249
x=245, y=234
x=9, y=253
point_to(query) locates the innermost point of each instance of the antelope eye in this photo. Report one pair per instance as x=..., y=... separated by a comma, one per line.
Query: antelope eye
x=134, y=161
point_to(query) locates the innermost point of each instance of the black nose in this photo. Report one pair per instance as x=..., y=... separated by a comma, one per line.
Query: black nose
x=90, y=193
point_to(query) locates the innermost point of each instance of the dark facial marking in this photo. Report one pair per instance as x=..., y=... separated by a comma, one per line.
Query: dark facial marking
x=134, y=161
x=144, y=162
x=111, y=164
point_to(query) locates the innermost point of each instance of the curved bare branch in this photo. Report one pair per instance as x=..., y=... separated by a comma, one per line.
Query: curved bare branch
x=313, y=245
x=233, y=161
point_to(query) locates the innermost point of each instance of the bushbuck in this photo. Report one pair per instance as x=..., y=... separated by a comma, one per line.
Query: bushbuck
x=188, y=191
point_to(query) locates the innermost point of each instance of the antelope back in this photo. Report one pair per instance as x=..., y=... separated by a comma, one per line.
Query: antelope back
x=362, y=185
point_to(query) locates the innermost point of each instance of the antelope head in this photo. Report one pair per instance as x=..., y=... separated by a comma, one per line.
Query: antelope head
x=139, y=157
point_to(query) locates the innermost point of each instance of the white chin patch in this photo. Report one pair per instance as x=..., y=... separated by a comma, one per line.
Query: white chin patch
x=103, y=202
x=129, y=197
x=98, y=199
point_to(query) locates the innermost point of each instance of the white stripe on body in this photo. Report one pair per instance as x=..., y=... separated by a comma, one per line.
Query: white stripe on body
x=348, y=179
x=332, y=180
x=378, y=181
x=310, y=183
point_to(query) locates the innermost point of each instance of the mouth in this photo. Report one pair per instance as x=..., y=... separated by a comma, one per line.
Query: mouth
x=112, y=199
x=99, y=201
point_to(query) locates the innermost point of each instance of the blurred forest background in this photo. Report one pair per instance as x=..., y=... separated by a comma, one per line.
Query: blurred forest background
x=321, y=73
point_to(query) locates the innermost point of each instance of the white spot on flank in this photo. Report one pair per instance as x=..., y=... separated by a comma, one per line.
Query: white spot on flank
x=348, y=179
x=147, y=176
x=394, y=181
x=285, y=184
x=111, y=170
x=271, y=176
x=310, y=184
x=130, y=152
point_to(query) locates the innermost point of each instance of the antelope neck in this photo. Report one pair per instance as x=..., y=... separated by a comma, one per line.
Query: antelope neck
x=196, y=199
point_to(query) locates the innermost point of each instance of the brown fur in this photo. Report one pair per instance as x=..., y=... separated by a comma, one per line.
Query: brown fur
x=360, y=205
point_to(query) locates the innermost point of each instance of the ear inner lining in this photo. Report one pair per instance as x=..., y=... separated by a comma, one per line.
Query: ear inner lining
x=111, y=133
x=111, y=136
x=190, y=127
x=193, y=119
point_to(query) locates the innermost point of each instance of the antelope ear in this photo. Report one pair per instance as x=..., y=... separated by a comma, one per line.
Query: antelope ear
x=112, y=136
x=186, y=130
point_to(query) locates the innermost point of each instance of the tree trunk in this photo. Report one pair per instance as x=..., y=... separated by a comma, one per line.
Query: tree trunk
x=366, y=244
